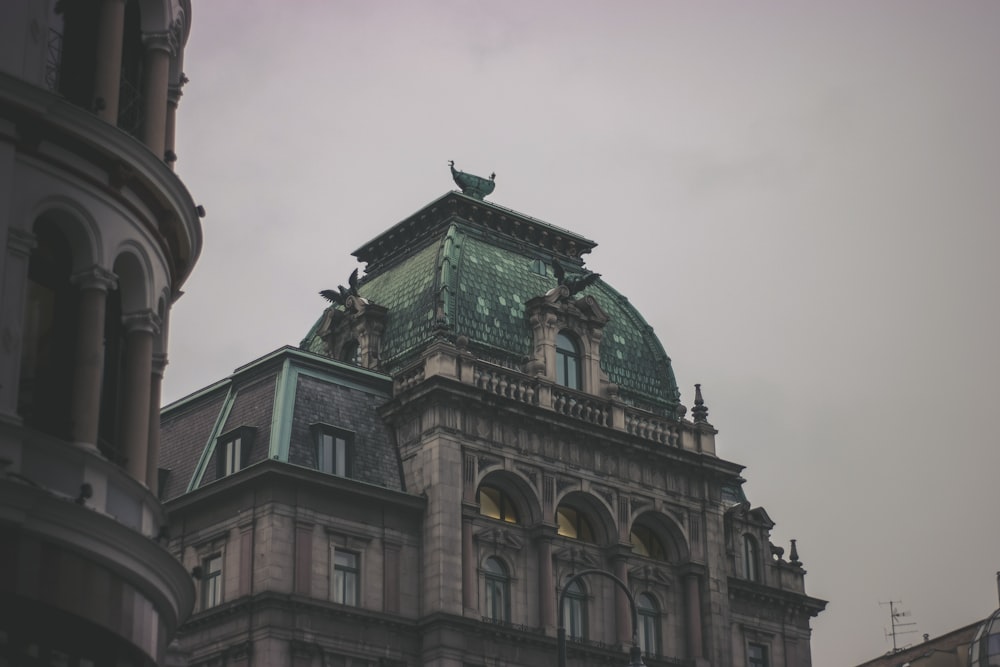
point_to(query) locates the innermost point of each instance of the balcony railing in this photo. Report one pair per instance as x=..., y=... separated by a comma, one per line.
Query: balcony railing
x=531, y=390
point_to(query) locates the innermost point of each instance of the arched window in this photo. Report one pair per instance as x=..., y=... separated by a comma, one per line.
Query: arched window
x=574, y=611
x=497, y=590
x=573, y=524
x=646, y=543
x=48, y=335
x=649, y=624
x=496, y=504
x=568, y=362
x=751, y=559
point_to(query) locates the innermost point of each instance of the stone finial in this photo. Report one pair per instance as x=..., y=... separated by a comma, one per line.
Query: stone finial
x=793, y=555
x=700, y=410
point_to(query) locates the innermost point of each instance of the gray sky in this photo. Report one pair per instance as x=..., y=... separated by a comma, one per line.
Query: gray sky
x=802, y=198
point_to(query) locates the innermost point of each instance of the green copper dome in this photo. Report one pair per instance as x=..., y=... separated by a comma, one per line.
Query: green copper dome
x=465, y=267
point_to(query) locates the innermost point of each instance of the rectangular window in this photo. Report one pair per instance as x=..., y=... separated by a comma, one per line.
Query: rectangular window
x=757, y=655
x=346, y=576
x=333, y=450
x=211, y=581
x=233, y=451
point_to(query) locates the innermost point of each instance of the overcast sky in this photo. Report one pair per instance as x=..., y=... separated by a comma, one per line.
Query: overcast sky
x=802, y=198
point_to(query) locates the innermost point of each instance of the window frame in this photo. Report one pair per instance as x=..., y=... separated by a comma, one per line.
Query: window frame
x=569, y=359
x=345, y=579
x=652, y=546
x=764, y=659
x=573, y=615
x=496, y=581
x=505, y=505
x=319, y=431
x=211, y=581
x=233, y=447
x=649, y=624
x=582, y=527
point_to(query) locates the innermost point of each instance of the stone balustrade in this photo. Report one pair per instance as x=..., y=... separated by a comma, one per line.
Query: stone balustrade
x=445, y=361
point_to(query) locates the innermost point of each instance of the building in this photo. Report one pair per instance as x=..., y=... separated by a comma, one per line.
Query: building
x=974, y=645
x=99, y=237
x=468, y=428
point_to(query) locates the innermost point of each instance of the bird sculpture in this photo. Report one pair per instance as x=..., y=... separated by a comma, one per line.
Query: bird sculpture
x=472, y=185
x=340, y=296
x=574, y=285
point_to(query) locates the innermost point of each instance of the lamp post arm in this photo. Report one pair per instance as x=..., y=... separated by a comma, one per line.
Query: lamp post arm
x=561, y=632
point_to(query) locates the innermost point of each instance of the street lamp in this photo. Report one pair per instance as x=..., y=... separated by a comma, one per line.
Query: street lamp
x=635, y=653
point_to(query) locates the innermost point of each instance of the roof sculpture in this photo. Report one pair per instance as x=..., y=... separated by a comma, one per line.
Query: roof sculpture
x=462, y=267
x=472, y=185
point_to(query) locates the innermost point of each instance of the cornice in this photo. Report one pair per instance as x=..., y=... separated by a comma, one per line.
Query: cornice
x=48, y=118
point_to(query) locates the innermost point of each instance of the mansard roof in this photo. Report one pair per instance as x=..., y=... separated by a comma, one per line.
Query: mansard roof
x=275, y=401
x=464, y=267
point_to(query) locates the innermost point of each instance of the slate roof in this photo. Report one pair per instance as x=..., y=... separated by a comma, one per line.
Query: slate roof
x=467, y=267
x=279, y=397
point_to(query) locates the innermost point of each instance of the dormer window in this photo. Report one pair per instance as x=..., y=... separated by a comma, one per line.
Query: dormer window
x=333, y=449
x=233, y=451
x=568, y=361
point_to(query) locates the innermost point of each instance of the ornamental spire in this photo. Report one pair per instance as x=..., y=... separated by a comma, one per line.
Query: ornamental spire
x=700, y=410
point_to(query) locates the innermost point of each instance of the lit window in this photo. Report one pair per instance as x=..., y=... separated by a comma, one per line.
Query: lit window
x=573, y=524
x=333, y=450
x=211, y=581
x=567, y=362
x=574, y=611
x=496, y=504
x=751, y=560
x=757, y=655
x=497, y=590
x=346, y=575
x=649, y=624
x=646, y=543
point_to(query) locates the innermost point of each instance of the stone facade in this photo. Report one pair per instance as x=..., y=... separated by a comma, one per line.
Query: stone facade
x=495, y=484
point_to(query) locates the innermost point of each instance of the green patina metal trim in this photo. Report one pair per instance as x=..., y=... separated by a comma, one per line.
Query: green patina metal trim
x=449, y=257
x=340, y=382
x=281, y=417
x=213, y=436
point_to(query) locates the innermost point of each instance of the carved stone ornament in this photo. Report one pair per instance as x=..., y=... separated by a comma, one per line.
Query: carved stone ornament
x=499, y=538
x=651, y=574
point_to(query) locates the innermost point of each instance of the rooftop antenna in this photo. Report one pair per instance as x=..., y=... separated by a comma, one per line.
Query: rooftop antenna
x=897, y=625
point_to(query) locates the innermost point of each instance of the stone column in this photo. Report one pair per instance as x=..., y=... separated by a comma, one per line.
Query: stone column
x=546, y=582
x=134, y=418
x=20, y=243
x=156, y=71
x=693, y=603
x=108, y=71
x=153, y=457
x=623, y=608
x=468, y=565
x=85, y=408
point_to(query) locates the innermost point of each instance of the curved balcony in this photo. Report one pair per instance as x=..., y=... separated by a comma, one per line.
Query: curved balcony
x=79, y=538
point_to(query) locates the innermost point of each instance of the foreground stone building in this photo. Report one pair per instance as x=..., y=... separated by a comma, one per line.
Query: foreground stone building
x=99, y=235
x=470, y=424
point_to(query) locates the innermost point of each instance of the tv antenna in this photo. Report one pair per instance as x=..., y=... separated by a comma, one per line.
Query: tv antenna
x=897, y=624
